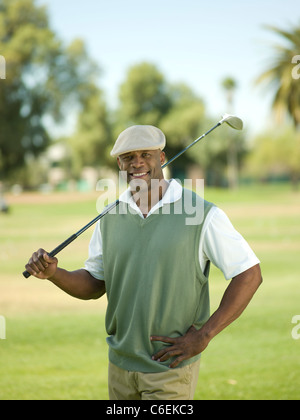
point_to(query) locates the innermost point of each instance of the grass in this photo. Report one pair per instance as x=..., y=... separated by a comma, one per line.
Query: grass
x=55, y=345
x=54, y=357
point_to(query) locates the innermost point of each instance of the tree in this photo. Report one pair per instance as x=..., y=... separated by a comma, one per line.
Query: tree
x=43, y=78
x=91, y=143
x=182, y=124
x=230, y=85
x=280, y=75
x=275, y=154
x=144, y=97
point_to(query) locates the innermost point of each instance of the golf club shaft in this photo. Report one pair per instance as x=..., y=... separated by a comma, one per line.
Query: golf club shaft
x=75, y=235
x=116, y=203
x=189, y=146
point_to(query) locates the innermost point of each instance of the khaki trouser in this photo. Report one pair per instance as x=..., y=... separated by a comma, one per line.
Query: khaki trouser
x=174, y=384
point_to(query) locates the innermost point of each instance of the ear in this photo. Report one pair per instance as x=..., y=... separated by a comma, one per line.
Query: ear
x=119, y=163
x=162, y=157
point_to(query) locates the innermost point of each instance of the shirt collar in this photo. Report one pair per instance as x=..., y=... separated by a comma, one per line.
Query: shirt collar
x=173, y=193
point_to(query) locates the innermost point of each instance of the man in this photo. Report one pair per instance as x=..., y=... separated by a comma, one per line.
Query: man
x=154, y=268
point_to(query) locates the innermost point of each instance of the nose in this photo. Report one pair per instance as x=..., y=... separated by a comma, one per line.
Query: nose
x=137, y=161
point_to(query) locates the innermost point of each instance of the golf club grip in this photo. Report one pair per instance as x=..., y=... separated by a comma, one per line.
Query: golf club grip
x=55, y=251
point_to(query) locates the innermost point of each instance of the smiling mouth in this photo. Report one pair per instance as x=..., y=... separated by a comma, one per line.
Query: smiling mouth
x=138, y=175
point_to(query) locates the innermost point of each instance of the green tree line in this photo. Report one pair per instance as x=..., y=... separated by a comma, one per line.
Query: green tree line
x=46, y=80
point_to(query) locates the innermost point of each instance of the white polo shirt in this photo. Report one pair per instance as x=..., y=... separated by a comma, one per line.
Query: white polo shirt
x=220, y=243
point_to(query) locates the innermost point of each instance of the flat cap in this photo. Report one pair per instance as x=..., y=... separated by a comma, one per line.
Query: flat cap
x=139, y=137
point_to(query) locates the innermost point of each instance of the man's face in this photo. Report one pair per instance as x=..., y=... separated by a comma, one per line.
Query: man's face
x=142, y=165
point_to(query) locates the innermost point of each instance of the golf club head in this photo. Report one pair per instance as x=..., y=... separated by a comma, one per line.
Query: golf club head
x=233, y=121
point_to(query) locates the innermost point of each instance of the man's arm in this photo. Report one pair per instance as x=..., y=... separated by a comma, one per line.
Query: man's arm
x=235, y=299
x=79, y=283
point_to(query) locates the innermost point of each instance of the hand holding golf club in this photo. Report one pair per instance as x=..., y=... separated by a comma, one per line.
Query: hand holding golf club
x=41, y=263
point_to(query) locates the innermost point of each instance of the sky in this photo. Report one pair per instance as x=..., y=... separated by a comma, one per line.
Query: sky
x=196, y=42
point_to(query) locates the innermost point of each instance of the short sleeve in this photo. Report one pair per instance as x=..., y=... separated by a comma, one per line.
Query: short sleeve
x=94, y=263
x=224, y=246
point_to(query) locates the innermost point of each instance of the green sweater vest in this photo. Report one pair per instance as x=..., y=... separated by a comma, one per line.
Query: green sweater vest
x=154, y=282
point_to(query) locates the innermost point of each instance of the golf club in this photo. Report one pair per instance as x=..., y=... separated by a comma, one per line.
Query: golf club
x=231, y=120
x=234, y=122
